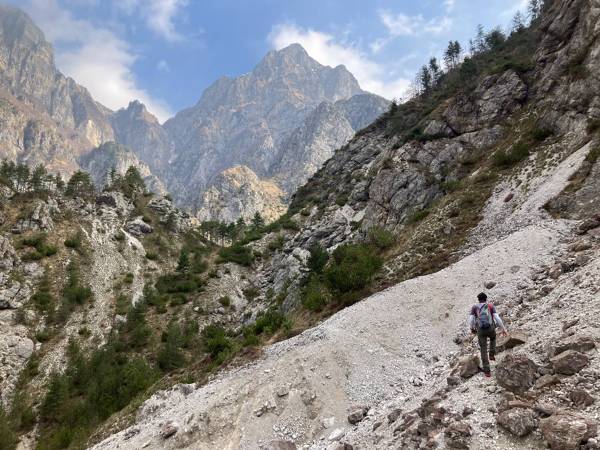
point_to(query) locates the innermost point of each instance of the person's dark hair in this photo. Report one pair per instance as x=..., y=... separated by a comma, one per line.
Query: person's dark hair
x=481, y=297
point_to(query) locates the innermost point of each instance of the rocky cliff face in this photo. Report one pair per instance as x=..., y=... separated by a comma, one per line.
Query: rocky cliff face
x=239, y=193
x=284, y=118
x=108, y=156
x=28, y=72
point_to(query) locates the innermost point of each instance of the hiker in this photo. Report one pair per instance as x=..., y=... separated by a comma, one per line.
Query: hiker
x=483, y=321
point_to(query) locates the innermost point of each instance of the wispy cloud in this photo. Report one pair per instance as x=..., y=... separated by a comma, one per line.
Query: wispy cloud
x=323, y=47
x=159, y=15
x=404, y=25
x=95, y=57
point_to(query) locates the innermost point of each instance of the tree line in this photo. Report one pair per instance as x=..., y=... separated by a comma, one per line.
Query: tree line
x=430, y=75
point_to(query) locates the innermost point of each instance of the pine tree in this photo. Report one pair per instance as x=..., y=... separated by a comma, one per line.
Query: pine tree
x=183, y=265
x=480, y=45
x=518, y=22
x=38, y=177
x=257, y=221
x=425, y=79
x=393, y=107
x=80, y=185
x=534, y=9
x=434, y=69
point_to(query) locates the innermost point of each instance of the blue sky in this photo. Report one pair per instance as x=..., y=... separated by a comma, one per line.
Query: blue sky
x=166, y=52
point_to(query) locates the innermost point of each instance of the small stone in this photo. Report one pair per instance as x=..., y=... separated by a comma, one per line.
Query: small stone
x=581, y=397
x=393, y=416
x=280, y=445
x=509, y=197
x=168, y=430
x=357, y=415
x=546, y=380
x=467, y=411
x=337, y=434
x=452, y=380
x=489, y=284
x=568, y=324
x=569, y=362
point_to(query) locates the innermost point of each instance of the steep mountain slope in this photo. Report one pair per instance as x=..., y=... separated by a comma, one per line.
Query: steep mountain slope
x=28, y=73
x=475, y=178
x=270, y=121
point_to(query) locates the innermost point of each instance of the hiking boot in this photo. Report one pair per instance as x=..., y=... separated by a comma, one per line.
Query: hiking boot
x=492, y=358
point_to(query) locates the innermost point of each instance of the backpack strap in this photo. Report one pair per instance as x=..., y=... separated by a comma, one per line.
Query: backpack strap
x=492, y=310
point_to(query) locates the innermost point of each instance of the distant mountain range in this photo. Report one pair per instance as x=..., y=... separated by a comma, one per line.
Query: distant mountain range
x=244, y=148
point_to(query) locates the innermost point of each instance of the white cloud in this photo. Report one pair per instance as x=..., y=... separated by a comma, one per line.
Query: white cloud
x=404, y=25
x=159, y=15
x=449, y=5
x=371, y=75
x=94, y=57
x=163, y=66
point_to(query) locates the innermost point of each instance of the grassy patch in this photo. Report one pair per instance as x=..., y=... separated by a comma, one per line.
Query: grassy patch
x=517, y=153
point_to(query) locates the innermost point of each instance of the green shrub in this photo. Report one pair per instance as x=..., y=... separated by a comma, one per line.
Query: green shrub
x=593, y=155
x=593, y=125
x=318, y=259
x=152, y=256
x=120, y=236
x=269, y=322
x=75, y=292
x=418, y=215
x=540, y=134
x=88, y=392
x=178, y=283
x=341, y=200
x=122, y=304
x=517, y=153
x=8, y=438
x=451, y=185
x=128, y=278
x=216, y=342
x=170, y=356
x=42, y=249
x=276, y=244
x=381, y=238
x=314, y=295
x=43, y=299
x=251, y=293
x=74, y=242
x=237, y=253
x=225, y=301
x=353, y=267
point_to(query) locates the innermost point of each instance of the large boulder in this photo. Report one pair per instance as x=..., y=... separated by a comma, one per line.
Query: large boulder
x=577, y=342
x=519, y=421
x=511, y=340
x=569, y=362
x=516, y=372
x=566, y=430
x=138, y=227
x=468, y=366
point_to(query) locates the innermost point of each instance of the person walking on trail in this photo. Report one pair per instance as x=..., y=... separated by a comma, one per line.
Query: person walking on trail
x=483, y=321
